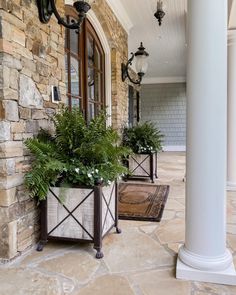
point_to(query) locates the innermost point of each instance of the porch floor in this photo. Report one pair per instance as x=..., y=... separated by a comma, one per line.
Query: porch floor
x=140, y=261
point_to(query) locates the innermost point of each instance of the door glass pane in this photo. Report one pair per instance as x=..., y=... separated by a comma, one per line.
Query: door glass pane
x=90, y=51
x=97, y=84
x=75, y=102
x=91, y=90
x=68, y=100
x=74, y=41
x=91, y=114
x=97, y=58
x=74, y=70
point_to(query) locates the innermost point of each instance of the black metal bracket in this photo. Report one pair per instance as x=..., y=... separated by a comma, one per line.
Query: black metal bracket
x=48, y=7
x=125, y=71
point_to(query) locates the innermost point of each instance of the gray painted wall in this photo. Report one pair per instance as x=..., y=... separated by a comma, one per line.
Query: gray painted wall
x=165, y=105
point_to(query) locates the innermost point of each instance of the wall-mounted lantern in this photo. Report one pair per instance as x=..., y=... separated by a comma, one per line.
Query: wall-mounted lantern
x=140, y=63
x=48, y=7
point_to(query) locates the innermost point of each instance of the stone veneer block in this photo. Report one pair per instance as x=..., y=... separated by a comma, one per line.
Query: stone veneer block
x=5, y=46
x=11, y=149
x=18, y=36
x=8, y=182
x=7, y=167
x=8, y=197
x=8, y=240
x=5, y=131
x=29, y=94
x=11, y=110
x=12, y=238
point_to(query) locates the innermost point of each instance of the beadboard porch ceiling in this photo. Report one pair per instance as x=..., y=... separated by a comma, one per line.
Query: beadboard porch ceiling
x=166, y=44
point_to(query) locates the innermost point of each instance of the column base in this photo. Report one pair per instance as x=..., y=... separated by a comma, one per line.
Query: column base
x=225, y=277
x=231, y=186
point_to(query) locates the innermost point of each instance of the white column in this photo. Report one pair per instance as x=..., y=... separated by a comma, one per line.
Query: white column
x=204, y=256
x=231, y=110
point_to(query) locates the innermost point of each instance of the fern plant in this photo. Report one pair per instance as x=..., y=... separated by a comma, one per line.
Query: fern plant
x=143, y=138
x=76, y=154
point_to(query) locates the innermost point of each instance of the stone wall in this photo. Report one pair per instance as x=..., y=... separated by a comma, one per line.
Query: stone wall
x=31, y=61
x=165, y=105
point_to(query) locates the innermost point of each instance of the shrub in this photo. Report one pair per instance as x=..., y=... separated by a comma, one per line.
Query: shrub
x=143, y=138
x=76, y=154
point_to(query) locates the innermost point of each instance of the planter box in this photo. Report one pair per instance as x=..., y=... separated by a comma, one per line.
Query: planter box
x=79, y=214
x=142, y=166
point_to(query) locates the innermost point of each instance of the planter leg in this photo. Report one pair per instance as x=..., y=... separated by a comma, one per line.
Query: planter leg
x=43, y=224
x=98, y=221
x=99, y=254
x=118, y=230
x=156, y=165
x=41, y=245
x=152, y=168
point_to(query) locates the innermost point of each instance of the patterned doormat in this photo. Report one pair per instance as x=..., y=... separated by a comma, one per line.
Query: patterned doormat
x=144, y=202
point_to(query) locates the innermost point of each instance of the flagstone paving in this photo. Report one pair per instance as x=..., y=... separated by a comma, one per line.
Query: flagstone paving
x=140, y=261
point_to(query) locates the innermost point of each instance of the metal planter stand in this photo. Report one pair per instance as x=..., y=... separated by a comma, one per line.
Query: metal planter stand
x=102, y=217
x=142, y=166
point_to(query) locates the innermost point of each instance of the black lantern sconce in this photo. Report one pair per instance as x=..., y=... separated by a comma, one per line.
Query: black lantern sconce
x=140, y=63
x=48, y=7
x=160, y=12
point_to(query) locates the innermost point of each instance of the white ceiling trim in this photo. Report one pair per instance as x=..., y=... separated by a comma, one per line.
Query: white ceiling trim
x=164, y=80
x=121, y=14
x=232, y=16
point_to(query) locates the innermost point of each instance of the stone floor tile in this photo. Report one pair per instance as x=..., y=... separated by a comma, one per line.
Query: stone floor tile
x=202, y=293
x=124, y=224
x=174, y=247
x=172, y=231
x=161, y=282
x=19, y=281
x=180, y=214
x=231, y=229
x=77, y=266
x=215, y=289
x=168, y=214
x=50, y=249
x=107, y=285
x=148, y=229
x=174, y=205
x=134, y=251
x=231, y=239
x=181, y=201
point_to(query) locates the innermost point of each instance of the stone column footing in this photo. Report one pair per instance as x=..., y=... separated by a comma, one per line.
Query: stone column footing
x=212, y=263
x=225, y=277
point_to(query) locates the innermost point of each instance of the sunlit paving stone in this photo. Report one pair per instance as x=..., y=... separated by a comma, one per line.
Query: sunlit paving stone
x=162, y=283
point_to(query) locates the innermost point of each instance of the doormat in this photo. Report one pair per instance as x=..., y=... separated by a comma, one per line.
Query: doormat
x=145, y=202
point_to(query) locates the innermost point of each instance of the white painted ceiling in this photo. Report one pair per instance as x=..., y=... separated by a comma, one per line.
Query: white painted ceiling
x=166, y=44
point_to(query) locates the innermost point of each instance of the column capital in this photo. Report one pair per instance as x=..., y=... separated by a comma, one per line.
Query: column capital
x=231, y=37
